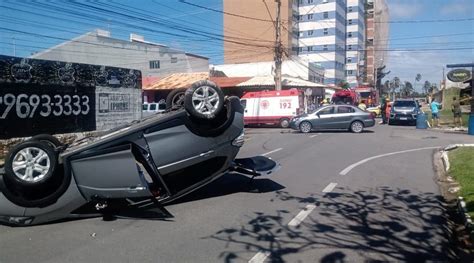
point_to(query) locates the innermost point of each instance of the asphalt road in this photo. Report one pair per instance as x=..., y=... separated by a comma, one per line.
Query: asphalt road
x=313, y=209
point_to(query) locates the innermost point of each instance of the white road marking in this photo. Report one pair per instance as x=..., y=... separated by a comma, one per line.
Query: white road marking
x=274, y=151
x=352, y=166
x=329, y=188
x=259, y=257
x=312, y=136
x=301, y=215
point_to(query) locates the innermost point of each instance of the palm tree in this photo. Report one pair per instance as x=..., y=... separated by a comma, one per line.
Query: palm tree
x=407, y=89
x=426, y=87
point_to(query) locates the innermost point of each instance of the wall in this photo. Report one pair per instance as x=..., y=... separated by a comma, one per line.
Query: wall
x=42, y=96
x=250, y=40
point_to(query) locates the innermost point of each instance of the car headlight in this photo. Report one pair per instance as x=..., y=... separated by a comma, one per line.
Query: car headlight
x=239, y=141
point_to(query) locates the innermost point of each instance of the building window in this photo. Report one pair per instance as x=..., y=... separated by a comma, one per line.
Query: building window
x=349, y=72
x=310, y=48
x=325, y=47
x=349, y=9
x=349, y=47
x=301, y=49
x=325, y=31
x=349, y=34
x=301, y=34
x=325, y=15
x=300, y=17
x=154, y=64
x=310, y=16
x=349, y=21
x=173, y=60
x=310, y=32
x=349, y=60
x=310, y=1
x=300, y=2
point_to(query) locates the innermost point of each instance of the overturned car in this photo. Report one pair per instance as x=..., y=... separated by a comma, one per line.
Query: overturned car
x=157, y=159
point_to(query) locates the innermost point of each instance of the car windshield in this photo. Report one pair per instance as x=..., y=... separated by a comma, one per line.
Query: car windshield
x=404, y=103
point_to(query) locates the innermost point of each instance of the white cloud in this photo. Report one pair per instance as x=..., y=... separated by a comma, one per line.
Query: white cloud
x=404, y=8
x=460, y=8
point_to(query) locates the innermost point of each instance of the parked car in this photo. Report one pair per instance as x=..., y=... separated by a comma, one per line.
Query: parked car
x=155, y=160
x=404, y=111
x=334, y=117
x=153, y=108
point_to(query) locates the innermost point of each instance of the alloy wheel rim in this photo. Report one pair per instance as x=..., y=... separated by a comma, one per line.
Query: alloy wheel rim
x=31, y=164
x=205, y=100
x=178, y=100
x=305, y=127
x=357, y=127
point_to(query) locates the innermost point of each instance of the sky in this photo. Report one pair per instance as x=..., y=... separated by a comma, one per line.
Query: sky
x=31, y=26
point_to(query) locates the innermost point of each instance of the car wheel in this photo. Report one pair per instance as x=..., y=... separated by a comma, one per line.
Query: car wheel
x=204, y=100
x=284, y=123
x=30, y=163
x=175, y=99
x=49, y=139
x=357, y=127
x=305, y=127
x=390, y=122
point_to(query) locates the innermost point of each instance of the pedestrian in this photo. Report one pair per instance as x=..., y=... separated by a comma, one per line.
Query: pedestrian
x=362, y=105
x=326, y=102
x=383, y=108
x=456, y=109
x=435, y=113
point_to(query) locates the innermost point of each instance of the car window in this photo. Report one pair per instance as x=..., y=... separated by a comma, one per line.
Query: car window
x=404, y=103
x=152, y=106
x=328, y=110
x=162, y=106
x=345, y=109
x=145, y=106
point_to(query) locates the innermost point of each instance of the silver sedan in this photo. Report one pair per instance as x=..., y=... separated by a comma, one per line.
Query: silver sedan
x=334, y=117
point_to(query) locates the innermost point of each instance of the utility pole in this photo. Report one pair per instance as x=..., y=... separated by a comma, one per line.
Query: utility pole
x=14, y=47
x=278, y=47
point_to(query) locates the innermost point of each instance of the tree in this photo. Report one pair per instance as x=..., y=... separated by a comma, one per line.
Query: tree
x=344, y=85
x=418, y=77
x=426, y=86
x=433, y=88
x=386, y=87
x=407, y=89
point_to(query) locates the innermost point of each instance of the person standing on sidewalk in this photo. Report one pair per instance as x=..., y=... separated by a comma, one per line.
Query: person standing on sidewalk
x=435, y=113
x=456, y=109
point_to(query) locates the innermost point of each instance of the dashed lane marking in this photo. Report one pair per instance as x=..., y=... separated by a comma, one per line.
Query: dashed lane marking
x=329, y=188
x=301, y=215
x=260, y=257
x=274, y=151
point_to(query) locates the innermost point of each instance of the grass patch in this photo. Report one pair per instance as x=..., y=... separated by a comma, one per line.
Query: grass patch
x=446, y=118
x=462, y=169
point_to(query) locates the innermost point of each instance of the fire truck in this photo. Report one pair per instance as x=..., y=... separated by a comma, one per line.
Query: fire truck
x=356, y=95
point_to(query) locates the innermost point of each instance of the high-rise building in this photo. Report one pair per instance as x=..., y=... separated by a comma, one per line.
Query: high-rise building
x=377, y=31
x=331, y=33
x=322, y=36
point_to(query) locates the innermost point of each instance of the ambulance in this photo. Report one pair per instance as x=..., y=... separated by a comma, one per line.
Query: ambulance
x=272, y=107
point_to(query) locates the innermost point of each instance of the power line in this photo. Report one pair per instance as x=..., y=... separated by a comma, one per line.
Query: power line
x=426, y=21
x=226, y=13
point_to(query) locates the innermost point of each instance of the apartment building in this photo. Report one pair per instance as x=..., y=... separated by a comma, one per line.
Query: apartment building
x=331, y=33
x=377, y=34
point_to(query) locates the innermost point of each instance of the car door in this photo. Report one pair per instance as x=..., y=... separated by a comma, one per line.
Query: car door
x=343, y=117
x=324, y=118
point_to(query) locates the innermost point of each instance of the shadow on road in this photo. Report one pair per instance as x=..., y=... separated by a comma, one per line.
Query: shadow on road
x=230, y=184
x=382, y=224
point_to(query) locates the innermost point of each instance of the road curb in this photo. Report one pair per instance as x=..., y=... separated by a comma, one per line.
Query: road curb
x=460, y=203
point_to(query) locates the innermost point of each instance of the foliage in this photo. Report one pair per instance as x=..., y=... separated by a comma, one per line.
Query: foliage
x=344, y=85
x=426, y=86
x=407, y=89
x=462, y=165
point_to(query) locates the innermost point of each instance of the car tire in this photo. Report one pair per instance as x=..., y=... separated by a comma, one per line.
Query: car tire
x=390, y=122
x=204, y=100
x=30, y=164
x=49, y=139
x=175, y=99
x=284, y=123
x=357, y=127
x=305, y=127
